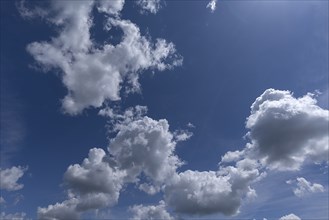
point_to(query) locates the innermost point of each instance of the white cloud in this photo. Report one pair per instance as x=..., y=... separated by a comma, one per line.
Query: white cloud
x=286, y=132
x=59, y=211
x=9, y=178
x=94, y=183
x=290, y=217
x=151, y=212
x=141, y=146
x=232, y=156
x=15, y=216
x=207, y=192
x=2, y=200
x=212, y=5
x=93, y=74
x=305, y=187
x=152, y=6
x=145, y=146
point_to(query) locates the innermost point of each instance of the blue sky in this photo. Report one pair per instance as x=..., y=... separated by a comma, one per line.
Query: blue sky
x=75, y=73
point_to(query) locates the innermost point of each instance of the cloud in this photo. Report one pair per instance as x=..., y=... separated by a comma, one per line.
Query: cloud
x=9, y=178
x=59, y=211
x=286, y=132
x=208, y=192
x=94, y=183
x=151, y=6
x=142, y=146
x=15, y=216
x=95, y=73
x=290, y=217
x=2, y=200
x=305, y=187
x=212, y=5
x=141, y=212
x=145, y=146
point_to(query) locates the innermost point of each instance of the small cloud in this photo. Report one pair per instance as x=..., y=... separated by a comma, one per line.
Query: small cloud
x=305, y=187
x=190, y=125
x=2, y=200
x=290, y=217
x=151, y=6
x=141, y=212
x=212, y=5
x=9, y=178
x=16, y=216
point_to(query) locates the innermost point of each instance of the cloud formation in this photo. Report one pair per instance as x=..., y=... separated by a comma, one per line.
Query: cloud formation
x=9, y=178
x=142, y=146
x=151, y=6
x=15, y=216
x=95, y=73
x=290, y=217
x=212, y=5
x=151, y=212
x=286, y=132
x=208, y=192
x=305, y=187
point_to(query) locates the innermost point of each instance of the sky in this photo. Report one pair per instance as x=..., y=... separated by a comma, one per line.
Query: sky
x=158, y=109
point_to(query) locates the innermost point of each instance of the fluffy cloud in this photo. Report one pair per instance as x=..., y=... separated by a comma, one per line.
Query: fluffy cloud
x=141, y=212
x=9, y=178
x=290, y=217
x=92, y=73
x=286, y=131
x=212, y=5
x=16, y=216
x=2, y=200
x=59, y=211
x=152, y=6
x=305, y=187
x=95, y=183
x=207, y=192
x=141, y=146
x=145, y=146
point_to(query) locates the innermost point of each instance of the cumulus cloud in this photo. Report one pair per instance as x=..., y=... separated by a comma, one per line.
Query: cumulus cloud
x=15, y=216
x=93, y=184
x=151, y=6
x=208, y=192
x=151, y=212
x=93, y=74
x=286, y=132
x=305, y=187
x=59, y=211
x=290, y=217
x=142, y=146
x=212, y=5
x=9, y=178
x=145, y=146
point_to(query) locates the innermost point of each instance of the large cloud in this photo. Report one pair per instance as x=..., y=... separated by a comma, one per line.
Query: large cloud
x=94, y=73
x=286, y=131
x=207, y=192
x=151, y=212
x=9, y=178
x=141, y=146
